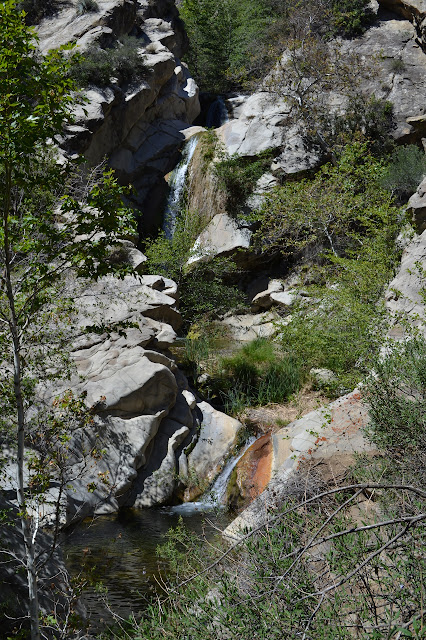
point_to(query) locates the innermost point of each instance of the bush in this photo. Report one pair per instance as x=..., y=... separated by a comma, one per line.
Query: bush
x=405, y=172
x=309, y=572
x=342, y=324
x=238, y=177
x=257, y=375
x=350, y=18
x=206, y=288
x=332, y=212
x=397, y=397
x=97, y=65
x=86, y=6
x=36, y=10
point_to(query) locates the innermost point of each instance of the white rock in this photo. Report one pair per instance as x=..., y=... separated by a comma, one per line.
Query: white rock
x=190, y=398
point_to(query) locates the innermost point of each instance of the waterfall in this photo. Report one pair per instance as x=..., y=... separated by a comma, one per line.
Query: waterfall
x=216, y=495
x=177, y=184
x=217, y=114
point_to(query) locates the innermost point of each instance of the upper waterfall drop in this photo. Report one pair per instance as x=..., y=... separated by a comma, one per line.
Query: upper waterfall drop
x=177, y=185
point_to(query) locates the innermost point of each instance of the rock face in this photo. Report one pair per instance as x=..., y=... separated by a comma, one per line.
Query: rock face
x=146, y=421
x=417, y=207
x=412, y=10
x=139, y=126
x=259, y=120
x=324, y=434
x=148, y=437
x=404, y=297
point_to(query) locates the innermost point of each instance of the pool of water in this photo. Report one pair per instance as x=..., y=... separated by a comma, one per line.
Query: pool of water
x=119, y=551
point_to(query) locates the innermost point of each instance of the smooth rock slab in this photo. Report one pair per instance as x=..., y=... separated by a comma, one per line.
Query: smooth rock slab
x=322, y=434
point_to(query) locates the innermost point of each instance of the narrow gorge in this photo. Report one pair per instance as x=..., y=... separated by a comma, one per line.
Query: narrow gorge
x=230, y=370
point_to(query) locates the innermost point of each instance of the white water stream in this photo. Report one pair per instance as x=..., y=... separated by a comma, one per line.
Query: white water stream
x=216, y=495
x=177, y=185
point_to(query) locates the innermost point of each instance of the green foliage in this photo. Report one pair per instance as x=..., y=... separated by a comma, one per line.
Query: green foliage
x=284, y=581
x=345, y=223
x=341, y=325
x=205, y=287
x=366, y=118
x=238, y=177
x=405, y=171
x=334, y=211
x=257, y=375
x=350, y=18
x=122, y=61
x=397, y=65
x=208, y=142
x=220, y=33
x=397, y=397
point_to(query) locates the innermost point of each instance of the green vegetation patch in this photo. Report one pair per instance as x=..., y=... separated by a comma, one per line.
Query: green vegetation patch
x=341, y=225
x=405, y=171
x=238, y=175
x=97, y=66
x=205, y=288
x=257, y=374
x=397, y=397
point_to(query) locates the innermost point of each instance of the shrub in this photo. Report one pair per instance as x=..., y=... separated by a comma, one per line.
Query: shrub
x=308, y=572
x=36, y=10
x=397, y=65
x=334, y=211
x=97, y=65
x=257, y=375
x=350, y=18
x=397, y=397
x=405, y=172
x=341, y=326
x=238, y=176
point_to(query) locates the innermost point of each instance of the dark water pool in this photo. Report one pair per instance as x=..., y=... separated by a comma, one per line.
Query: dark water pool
x=119, y=551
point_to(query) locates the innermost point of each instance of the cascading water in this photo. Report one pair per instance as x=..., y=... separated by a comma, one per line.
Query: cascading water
x=216, y=495
x=177, y=185
x=217, y=114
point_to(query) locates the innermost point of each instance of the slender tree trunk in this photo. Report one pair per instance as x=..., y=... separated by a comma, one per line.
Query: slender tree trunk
x=28, y=534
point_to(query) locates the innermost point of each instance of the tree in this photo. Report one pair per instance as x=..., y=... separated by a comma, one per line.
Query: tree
x=221, y=34
x=40, y=242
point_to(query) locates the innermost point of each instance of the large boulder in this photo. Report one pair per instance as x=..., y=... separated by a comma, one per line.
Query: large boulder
x=224, y=236
x=324, y=434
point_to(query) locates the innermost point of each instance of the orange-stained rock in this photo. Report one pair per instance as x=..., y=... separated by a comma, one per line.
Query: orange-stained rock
x=252, y=473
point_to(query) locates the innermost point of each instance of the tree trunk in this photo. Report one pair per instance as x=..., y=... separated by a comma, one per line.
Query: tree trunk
x=28, y=534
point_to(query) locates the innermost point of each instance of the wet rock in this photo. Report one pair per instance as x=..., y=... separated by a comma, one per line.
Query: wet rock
x=320, y=435
x=217, y=437
x=251, y=474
